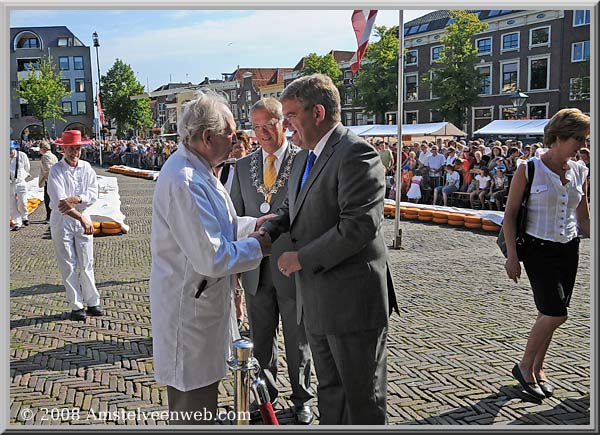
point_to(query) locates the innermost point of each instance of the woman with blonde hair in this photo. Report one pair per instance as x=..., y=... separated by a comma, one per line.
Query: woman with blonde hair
x=557, y=212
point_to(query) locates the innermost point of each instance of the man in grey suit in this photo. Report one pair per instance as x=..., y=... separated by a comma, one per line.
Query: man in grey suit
x=259, y=187
x=334, y=214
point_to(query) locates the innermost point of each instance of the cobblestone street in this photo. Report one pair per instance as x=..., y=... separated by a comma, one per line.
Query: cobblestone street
x=461, y=329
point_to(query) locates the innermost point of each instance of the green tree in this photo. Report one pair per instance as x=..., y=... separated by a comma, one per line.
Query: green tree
x=313, y=64
x=377, y=79
x=43, y=91
x=117, y=86
x=579, y=89
x=455, y=80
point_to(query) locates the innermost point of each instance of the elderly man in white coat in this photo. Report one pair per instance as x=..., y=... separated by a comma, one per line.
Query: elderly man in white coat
x=18, y=172
x=198, y=244
x=72, y=187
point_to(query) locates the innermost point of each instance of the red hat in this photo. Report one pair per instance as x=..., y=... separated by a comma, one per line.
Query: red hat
x=71, y=138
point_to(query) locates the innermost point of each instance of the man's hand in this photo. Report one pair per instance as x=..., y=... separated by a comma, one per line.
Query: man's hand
x=288, y=263
x=64, y=205
x=88, y=227
x=261, y=220
x=264, y=239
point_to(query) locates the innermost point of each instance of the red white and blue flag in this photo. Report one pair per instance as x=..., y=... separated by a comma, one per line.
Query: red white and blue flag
x=362, y=22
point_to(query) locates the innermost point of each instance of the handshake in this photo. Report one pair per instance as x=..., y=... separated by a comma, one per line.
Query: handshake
x=262, y=235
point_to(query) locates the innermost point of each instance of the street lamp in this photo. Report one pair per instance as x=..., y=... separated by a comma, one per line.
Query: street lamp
x=518, y=99
x=96, y=45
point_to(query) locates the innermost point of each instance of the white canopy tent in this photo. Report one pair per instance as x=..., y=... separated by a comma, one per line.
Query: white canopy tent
x=514, y=127
x=429, y=129
x=417, y=130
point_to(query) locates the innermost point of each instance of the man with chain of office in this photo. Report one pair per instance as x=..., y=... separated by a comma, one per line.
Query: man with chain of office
x=259, y=187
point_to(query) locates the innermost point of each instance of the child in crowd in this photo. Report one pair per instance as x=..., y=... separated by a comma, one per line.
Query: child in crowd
x=482, y=186
x=414, y=192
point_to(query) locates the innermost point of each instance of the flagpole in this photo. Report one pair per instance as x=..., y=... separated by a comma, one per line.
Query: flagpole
x=397, y=230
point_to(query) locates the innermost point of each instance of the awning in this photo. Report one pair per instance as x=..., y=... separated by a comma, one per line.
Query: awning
x=429, y=129
x=514, y=127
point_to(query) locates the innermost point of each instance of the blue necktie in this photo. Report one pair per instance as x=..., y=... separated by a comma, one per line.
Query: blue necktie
x=309, y=164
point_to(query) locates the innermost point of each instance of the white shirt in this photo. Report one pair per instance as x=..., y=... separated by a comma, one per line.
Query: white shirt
x=24, y=167
x=423, y=156
x=482, y=180
x=551, y=206
x=450, y=159
x=321, y=144
x=435, y=162
x=453, y=179
x=279, y=154
x=65, y=181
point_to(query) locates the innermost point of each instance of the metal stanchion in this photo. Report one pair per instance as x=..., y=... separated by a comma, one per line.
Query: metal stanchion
x=243, y=364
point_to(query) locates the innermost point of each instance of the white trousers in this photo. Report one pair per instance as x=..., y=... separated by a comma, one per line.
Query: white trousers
x=18, y=203
x=74, y=250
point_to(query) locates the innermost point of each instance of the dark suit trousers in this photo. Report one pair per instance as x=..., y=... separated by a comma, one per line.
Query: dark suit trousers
x=352, y=374
x=183, y=405
x=264, y=309
x=47, y=201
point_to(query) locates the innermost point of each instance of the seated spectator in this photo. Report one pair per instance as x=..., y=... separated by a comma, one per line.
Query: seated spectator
x=452, y=185
x=482, y=185
x=499, y=188
x=411, y=162
x=495, y=158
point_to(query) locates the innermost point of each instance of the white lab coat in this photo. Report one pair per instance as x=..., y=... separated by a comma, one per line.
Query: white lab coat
x=72, y=247
x=18, y=187
x=194, y=238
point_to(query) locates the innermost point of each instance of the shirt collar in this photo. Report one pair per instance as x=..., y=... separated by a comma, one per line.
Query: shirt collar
x=321, y=144
x=278, y=154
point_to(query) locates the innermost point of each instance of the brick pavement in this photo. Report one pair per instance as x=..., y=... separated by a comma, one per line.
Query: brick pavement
x=462, y=327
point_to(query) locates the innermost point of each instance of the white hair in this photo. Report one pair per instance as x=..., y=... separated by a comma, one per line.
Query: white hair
x=203, y=113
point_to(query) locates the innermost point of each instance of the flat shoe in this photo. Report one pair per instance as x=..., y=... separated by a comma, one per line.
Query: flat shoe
x=532, y=388
x=547, y=388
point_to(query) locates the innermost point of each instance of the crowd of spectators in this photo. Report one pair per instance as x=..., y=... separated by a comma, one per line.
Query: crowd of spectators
x=468, y=173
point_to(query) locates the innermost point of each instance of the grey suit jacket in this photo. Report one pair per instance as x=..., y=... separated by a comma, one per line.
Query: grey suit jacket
x=247, y=201
x=335, y=225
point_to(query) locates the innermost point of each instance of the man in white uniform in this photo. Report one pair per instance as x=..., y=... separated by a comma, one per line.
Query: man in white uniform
x=72, y=187
x=19, y=171
x=197, y=246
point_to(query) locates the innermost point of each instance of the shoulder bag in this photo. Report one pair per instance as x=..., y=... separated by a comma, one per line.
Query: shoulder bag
x=521, y=217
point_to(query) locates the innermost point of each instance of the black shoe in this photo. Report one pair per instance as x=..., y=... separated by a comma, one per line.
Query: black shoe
x=25, y=222
x=532, y=388
x=304, y=414
x=547, y=388
x=78, y=314
x=95, y=311
x=15, y=228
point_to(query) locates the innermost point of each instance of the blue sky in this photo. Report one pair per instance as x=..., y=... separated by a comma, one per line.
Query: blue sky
x=188, y=45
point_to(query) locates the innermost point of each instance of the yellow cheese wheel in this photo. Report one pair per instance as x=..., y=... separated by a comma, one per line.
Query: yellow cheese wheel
x=441, y=215
x=425, y=213
x=472, y=225
x=111, y=230
x=411, y=216
x=494, y=228
x=456, y=217
x=440, y=220
x=425, y=218
x=473, y=220
x=96, y=230
x=111, y=226
x=456, y=223
x=96, y=224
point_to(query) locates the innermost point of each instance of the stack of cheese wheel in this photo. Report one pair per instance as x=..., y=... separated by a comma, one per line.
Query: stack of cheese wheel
x=456, y=219
x=389, y=210
x=411, y=213
x=473, y=222
x=96, y=227
x=32, y=204
x=440, y=217
x=425, y=215
x=489, y=225
x=111, y=228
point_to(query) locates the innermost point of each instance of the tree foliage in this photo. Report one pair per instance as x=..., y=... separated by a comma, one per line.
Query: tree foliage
x=455, y=80
x=579, y=90
x=117, y=86
x=377, y=79
x=43, y=91
x=313, y=64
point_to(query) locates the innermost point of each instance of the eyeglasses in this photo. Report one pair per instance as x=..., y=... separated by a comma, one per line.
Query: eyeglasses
x=265, y=125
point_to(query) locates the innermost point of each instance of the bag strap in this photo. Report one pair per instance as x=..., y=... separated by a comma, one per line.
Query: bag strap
x=530, y=174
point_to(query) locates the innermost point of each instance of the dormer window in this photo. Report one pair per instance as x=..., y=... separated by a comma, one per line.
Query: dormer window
x=27, y=39
x=63, y=42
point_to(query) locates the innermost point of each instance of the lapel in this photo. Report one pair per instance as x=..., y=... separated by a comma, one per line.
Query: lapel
x=316, y=170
